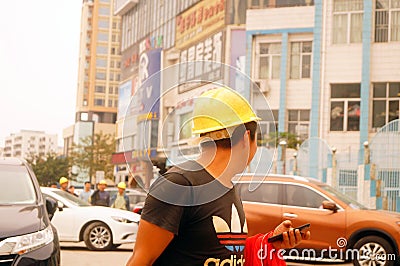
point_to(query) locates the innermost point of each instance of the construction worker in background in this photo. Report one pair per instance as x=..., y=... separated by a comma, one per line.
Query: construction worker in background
x=192, y=212
x=64, y=184
x=120, y=200
x=101, y=197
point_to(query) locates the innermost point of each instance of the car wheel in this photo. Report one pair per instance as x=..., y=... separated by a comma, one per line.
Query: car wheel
x=98, y=236
x=374, y=251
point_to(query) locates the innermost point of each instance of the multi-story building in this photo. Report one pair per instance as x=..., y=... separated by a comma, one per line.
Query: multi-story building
x=159, y=34
x=330, y=74
x=98, y=73
x=29, y=143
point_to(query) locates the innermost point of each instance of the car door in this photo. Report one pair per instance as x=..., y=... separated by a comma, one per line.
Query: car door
x=303, y=204
x=262, y=206
x=64, y=222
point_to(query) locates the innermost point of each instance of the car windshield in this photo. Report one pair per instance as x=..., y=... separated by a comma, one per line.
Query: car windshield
x=16, y=185
x=346, y=199
x=72, y=199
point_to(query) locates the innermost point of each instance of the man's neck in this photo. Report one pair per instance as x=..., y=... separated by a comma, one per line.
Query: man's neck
x=219, y=165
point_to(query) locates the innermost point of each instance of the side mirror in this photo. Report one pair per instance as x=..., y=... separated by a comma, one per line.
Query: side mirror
x=328, y=205
x=60, y=206
x=51, y=207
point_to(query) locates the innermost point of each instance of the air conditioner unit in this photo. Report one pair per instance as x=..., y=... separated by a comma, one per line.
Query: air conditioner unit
x=262, y=85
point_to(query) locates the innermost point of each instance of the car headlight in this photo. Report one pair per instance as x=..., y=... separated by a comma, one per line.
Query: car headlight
x=29, y=242
x=122, y=219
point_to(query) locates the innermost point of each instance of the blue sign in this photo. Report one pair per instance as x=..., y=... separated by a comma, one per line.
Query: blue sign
x=147, y=97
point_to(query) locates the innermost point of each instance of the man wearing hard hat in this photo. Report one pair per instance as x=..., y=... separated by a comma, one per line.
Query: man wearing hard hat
x=64, y=184
x=101, y=197
x=120, y=200
x=193, y=215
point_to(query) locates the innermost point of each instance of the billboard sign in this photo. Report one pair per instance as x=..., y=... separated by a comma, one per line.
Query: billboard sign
x=199, y=21
x=146, y=98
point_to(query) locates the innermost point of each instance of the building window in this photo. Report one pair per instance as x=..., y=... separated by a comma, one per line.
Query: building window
x=269, y=60
x=385, y=106
x=298, y=123
x=110, y=103
x=115, y=103
x=103, y=37
x=345, y=107
x=387, y=20
x=185, y=124
x=100, y=75
x=104, y=24
x=113, y=38
x=347, y=21
x=104, y=11
x=101, y=62
x=300, y=60
x=267, y=126
x=110, y=90
x=99, y=102
x=101, y=49
x=100, y=89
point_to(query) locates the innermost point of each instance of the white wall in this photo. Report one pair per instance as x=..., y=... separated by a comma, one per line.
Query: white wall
x=280, y=18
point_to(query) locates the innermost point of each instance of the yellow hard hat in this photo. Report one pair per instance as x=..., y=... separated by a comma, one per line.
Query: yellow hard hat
x=121, y=185
x=221, y=108
x=103, y=182
x=63, y=180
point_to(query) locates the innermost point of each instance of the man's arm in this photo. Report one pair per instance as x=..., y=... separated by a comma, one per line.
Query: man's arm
x=151, y=241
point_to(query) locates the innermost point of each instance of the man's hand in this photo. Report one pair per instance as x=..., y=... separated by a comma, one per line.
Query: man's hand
x=290, y=238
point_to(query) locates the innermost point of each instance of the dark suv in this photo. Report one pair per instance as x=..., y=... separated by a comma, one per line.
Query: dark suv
x=26, y=234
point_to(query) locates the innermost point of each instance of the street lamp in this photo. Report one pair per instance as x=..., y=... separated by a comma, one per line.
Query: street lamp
x=366, y=152
x=295, y=163
x=283, y=145
x=334, y=167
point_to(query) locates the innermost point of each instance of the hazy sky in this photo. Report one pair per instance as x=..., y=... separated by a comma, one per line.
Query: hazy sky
x=39, y=50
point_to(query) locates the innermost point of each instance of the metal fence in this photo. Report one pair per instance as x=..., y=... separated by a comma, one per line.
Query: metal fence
x=347, y=174
x=385, y=165
x=323, y=156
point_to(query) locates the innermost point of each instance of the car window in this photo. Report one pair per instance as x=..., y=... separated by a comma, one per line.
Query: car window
x=264, y=193
x=303, y=197
x=16, y=185
x=133, y=199
x=349, y=201
x=73, y=199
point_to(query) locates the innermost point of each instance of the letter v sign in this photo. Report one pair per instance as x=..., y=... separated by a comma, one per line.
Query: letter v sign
x=149, y=89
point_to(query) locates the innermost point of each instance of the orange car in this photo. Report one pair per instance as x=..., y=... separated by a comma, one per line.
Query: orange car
x=341, y=228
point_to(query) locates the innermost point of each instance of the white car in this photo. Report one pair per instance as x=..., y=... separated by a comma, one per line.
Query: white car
x=101, y=228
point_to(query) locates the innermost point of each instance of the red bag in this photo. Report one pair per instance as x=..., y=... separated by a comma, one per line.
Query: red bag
x=258, y=252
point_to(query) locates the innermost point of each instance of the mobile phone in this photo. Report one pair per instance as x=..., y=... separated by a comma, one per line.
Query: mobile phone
x=279, y=237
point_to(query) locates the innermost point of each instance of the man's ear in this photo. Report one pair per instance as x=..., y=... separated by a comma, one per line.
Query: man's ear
x=246, y=138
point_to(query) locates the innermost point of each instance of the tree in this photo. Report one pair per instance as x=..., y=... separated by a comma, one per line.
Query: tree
x=48, y=168
x=94, y=154
x=292, y=140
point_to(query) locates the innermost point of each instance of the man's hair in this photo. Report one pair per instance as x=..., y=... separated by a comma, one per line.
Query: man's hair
x=87, y=182
x=237, y=135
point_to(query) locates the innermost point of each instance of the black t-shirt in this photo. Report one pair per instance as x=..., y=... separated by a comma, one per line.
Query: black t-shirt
x=206, y=218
